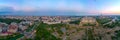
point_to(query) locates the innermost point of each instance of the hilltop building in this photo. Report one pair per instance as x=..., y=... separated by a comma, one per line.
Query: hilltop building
x=88, y=20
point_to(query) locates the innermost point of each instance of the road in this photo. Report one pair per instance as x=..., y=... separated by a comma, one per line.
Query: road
x=30, y=33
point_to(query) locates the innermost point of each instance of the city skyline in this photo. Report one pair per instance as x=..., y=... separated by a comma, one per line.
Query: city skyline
x=60, y=7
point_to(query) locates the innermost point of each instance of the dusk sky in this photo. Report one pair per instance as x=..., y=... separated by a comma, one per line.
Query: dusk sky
x=83, y=7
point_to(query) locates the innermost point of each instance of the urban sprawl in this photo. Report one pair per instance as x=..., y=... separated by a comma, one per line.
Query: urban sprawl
x=102, y=27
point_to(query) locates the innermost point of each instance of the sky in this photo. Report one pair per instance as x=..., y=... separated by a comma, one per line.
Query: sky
x=80, y=7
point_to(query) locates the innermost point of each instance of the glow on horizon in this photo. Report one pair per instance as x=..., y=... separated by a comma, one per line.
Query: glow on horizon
x=111, y=10
x=87, y=6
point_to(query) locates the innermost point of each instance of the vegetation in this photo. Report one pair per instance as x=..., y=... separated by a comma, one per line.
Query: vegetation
x=109, y=26
x=75, y=22
x=88, y=24
x=112, y=25
x=44, y=34
x=8, y=21
x=103, y=21
x=29, y=28
x=89, y=34
x=117, y=35
x=11, y=37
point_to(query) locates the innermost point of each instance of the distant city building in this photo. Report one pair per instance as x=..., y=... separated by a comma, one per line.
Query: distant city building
x=0, y=29
x=5, y=33
x=26, y=23
x=3, y=26
x=23, y=27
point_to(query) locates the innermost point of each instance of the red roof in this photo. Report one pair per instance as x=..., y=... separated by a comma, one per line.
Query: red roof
x=13, y=26
x=7, y=32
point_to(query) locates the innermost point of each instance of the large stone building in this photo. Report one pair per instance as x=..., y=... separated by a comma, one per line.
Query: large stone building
x=88, y=20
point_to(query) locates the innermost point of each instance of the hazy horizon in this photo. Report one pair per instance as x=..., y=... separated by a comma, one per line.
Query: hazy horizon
x=59, y=7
